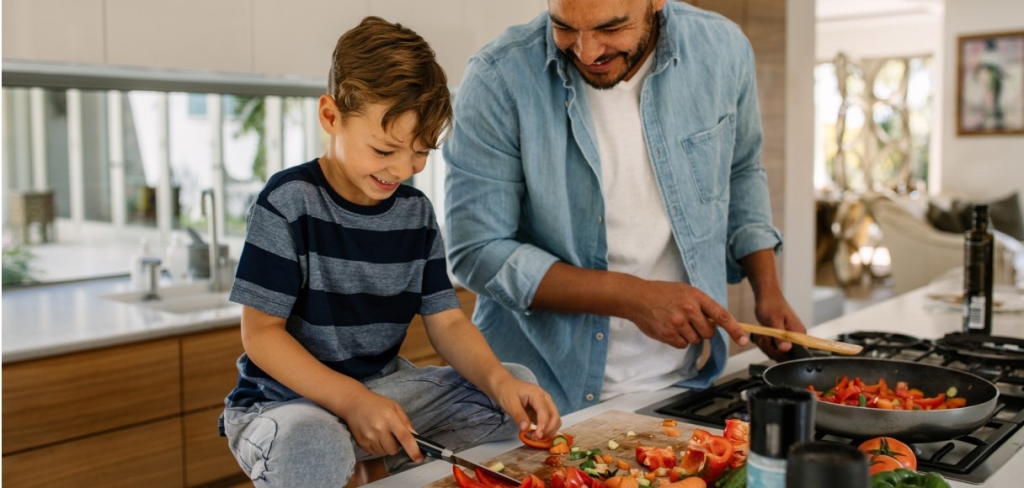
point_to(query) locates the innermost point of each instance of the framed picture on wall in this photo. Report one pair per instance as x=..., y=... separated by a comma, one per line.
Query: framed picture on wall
x=990, y=85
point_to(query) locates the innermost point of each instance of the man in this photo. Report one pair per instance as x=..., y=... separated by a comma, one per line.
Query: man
x=604, y=184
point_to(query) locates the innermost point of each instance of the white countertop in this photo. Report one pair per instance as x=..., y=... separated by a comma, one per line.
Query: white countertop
x=47, y=320
x=906, y=314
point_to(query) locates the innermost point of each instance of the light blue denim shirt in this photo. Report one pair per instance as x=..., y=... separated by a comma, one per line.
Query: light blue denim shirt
x=523, y=188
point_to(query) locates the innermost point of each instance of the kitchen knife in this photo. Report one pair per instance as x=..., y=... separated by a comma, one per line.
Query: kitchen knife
x=432, y=449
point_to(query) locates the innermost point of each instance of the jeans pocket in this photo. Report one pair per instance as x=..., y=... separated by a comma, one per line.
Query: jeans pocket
x=250, y=438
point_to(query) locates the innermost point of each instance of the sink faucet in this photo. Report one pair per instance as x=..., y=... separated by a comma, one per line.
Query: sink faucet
x=213, y=246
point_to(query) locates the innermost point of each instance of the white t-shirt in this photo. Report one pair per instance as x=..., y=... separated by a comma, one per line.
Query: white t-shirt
x=640, y=240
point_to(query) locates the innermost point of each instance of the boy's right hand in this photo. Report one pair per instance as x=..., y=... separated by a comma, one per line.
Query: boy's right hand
x=380, y=426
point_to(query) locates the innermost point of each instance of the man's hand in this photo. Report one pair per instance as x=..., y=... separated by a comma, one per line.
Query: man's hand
x=774, y=311
x=380, y=426
x=526, y=402
x=679, y=314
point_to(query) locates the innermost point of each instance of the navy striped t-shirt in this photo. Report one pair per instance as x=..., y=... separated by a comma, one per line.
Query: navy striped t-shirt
x=348, y=278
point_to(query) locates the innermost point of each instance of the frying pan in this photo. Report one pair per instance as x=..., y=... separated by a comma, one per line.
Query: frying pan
x=907, y=426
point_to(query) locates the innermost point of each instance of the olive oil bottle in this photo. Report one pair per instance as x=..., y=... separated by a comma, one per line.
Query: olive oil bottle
x=978, y=249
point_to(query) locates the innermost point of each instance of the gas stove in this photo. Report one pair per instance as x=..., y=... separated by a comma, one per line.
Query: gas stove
x=971, y=458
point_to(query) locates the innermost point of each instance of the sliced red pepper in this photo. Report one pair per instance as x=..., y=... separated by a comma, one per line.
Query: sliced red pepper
x=464, y=480
x=488, y=480
x=718, y=453
x=655, y=457
x=930, y=402
x=575, y=478
x=542, y=443
x=532, y=482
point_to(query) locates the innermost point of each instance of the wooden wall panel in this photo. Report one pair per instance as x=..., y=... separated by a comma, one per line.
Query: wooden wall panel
x=207, y=457
x=54, y=399
x=147, y=455
x=208, y=367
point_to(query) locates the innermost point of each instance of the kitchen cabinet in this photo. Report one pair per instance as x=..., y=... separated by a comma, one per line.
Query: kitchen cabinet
x=141, y=414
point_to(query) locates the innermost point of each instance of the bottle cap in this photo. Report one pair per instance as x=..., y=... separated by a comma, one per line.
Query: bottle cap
x=779, y=417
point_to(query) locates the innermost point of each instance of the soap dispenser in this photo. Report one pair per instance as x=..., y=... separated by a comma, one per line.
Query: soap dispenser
x=137, y=268
x=176, y=259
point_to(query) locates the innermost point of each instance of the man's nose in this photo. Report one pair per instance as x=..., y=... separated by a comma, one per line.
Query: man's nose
x=587, y=48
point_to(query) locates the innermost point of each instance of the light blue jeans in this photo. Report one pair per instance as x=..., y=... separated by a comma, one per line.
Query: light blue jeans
x=297, y=443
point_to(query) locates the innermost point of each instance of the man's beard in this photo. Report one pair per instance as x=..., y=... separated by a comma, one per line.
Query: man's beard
x=608, y=80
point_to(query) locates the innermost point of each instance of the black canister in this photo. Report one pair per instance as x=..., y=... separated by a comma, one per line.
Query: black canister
x=826, y=464
x=779, y=418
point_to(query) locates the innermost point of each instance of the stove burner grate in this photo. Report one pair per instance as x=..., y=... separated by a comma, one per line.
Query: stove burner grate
x=985, y=349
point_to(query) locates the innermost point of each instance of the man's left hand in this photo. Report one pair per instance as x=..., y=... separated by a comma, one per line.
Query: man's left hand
x=775, y=312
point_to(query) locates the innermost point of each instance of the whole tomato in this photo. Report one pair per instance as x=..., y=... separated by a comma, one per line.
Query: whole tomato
x=887, y=454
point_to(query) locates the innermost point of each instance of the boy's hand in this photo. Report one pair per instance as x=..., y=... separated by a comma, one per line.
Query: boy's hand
x=380, y=426
x=526, y=402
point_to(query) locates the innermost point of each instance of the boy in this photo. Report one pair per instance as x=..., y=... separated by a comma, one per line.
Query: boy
x=338, y=258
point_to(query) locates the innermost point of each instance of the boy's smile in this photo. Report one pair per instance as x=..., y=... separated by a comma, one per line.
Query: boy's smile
x=365, y=162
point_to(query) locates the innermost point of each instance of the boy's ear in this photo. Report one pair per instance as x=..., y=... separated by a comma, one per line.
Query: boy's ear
x=330, y=116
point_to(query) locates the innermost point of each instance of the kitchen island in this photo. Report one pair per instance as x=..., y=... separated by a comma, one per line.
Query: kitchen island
x=912, y=313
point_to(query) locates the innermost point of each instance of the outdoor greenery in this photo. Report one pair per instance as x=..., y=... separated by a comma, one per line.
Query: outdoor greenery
x=17, y=266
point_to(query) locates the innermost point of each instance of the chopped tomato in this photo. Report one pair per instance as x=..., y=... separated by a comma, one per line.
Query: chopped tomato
x=655, y=457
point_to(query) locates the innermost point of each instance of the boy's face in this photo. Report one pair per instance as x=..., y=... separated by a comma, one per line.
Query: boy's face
x=367, y=163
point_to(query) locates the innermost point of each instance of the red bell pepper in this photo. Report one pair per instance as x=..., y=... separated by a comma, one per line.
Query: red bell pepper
x=464, y=480
x=654, y=458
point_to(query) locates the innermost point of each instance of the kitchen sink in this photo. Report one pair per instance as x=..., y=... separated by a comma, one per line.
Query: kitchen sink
x=178, y=299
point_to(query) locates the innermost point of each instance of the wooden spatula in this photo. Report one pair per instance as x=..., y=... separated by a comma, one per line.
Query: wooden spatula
x=804, y=339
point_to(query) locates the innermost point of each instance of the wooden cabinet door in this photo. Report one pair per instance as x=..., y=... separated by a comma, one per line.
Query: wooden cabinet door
x=54, y=399
x=208, y=367
x=147, y=455
x=207, y=457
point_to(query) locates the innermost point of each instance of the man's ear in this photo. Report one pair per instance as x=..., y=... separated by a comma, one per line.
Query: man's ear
x=330, y=116
x=658, y=5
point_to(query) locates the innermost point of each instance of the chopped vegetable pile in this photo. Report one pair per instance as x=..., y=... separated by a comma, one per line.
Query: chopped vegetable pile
x=856, y=393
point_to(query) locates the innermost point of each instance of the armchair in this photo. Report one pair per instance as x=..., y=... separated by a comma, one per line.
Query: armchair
x=920, y=252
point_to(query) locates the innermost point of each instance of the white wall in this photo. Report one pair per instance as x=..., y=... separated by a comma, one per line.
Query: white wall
x=876, y=38
x=277, y=37
x=798, y=270
x=978, y=166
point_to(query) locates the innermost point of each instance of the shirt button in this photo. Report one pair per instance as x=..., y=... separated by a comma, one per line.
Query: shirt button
x=600, y=219
x=599, y=336
x=566, y=104
x=590, y=397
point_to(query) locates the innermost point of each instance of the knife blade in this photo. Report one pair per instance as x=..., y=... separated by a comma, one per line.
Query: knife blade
x=434, y=450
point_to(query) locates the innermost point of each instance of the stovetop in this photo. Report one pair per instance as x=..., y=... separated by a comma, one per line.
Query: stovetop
x=971, y=458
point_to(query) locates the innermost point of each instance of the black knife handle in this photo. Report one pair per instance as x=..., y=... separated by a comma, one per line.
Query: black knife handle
x=428, y=448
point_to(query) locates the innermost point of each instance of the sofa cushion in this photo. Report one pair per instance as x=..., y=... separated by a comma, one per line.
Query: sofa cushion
x=1004, y=213
x=946, y=219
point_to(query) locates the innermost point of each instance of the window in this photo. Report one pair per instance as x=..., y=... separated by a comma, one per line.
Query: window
x=127, y=153
x=872, y=130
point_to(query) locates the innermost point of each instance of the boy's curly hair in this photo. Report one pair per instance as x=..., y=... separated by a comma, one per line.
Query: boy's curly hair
x=381, y=62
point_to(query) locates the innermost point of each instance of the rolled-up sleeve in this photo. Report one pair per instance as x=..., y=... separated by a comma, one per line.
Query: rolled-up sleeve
x=484, y=191
x=750, y=219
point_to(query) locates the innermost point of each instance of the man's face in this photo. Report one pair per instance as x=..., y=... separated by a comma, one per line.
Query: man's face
x=606, y=40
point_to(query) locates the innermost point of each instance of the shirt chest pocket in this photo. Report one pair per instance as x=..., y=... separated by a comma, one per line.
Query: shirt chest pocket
x=710, y=158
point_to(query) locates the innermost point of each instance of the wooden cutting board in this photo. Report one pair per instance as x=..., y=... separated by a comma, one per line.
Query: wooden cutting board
x=595, y=432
